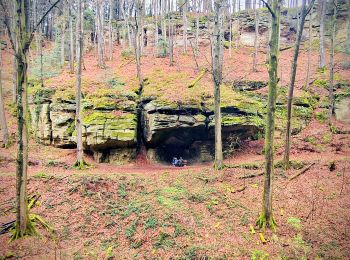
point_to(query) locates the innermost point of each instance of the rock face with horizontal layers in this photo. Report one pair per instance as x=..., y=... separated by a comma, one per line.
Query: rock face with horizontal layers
x=111, y=129
x=188, y=131
x=109, y=132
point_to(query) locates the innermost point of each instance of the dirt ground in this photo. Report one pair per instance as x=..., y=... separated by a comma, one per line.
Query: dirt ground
x=149, y=211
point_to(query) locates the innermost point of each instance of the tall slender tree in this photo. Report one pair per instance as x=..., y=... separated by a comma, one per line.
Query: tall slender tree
x=71, y=38
x=308, y=71
x=110, y=31
x=331, y=61
x=184, y=18
x=304, y=12
x=24, y=37
x=256, y=38
x=266, y=218
x=322, y=14
x=63, y=32
x=217, y=55
x=3, y=122
x=79, y=164
x=100, y=34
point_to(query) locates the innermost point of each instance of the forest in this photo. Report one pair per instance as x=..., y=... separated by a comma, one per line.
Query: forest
x=174, y=129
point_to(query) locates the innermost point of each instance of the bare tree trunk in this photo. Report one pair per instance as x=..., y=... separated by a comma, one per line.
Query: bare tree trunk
x=163, y=20
x=308, y=72
x=24, y=37
x=14, y=37
x=71, y=39
x=197, y=10
x=110, y=29
x=137, y=43
x=156, y=27
x=217, y=76
x=256, y=40
x=304, y=12
x=184, y=13
x=3, y=122
x=266, y=216
x=35, y=18
x=171, y=42
x=79, y=164
x=63, y=36
x=331, y=62
x=23, y=225
x=100, y=38
x=230, y=47
x=322, y=13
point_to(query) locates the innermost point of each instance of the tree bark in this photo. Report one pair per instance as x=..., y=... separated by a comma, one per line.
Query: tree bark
x=217, y=76
x=256, y=40
x=23, y=225
x=266, y=216
x=80, y=160
x=304, y=12
x=308, y=71
x=331, y=62
x=71, y=39
x=322, y=13
x=3, y=122
x=184, y=14
x=100, y=38
x=110, y=29
x=63, y=36
x=171, y=42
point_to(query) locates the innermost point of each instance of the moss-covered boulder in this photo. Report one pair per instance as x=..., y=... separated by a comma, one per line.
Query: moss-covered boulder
x=106, y=130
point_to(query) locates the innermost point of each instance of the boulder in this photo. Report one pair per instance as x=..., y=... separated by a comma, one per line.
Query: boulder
x=62, y=116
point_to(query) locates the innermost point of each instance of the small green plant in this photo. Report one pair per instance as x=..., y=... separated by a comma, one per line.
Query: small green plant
x=41, y=175
x=321, y=116
x=259, y=255
x=163, y=240
x=131, y=229
x=327, y=137
x=109, y=253
x=122, y=190
x=192, y=252
x=150, y=223
x=294, y=222
x=322, y=83
x=77, y=256
x=162, y=47
x=310, y=139
x=127, y=53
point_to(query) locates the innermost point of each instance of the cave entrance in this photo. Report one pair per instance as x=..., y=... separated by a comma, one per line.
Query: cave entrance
x=166, y=153
x=194, y=151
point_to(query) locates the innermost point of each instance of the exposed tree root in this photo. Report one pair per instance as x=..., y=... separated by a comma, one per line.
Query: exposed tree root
x=81, y=165
x=264, y=223
x=302, y=171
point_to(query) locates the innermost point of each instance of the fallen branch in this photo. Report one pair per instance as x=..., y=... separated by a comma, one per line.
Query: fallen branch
x=6, y=227
x=251, y=176
x=286, y=48
x=301, y=172
x=201, y=75
x=240, y=189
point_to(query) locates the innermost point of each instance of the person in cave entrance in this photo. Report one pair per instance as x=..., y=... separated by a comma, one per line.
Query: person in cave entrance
x=179, y=162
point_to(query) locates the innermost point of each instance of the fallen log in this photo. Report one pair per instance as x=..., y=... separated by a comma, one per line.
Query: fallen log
x=201, y=75
x=301, y=172
x=6, y=227
x=251, y=176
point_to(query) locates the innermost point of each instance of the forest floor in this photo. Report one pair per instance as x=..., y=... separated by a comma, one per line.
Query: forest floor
x=150, y=211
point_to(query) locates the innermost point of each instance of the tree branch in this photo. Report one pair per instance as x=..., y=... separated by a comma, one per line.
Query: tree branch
x=40, y=21
x=7, y=25
x=269, y=7
x=309, y=7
